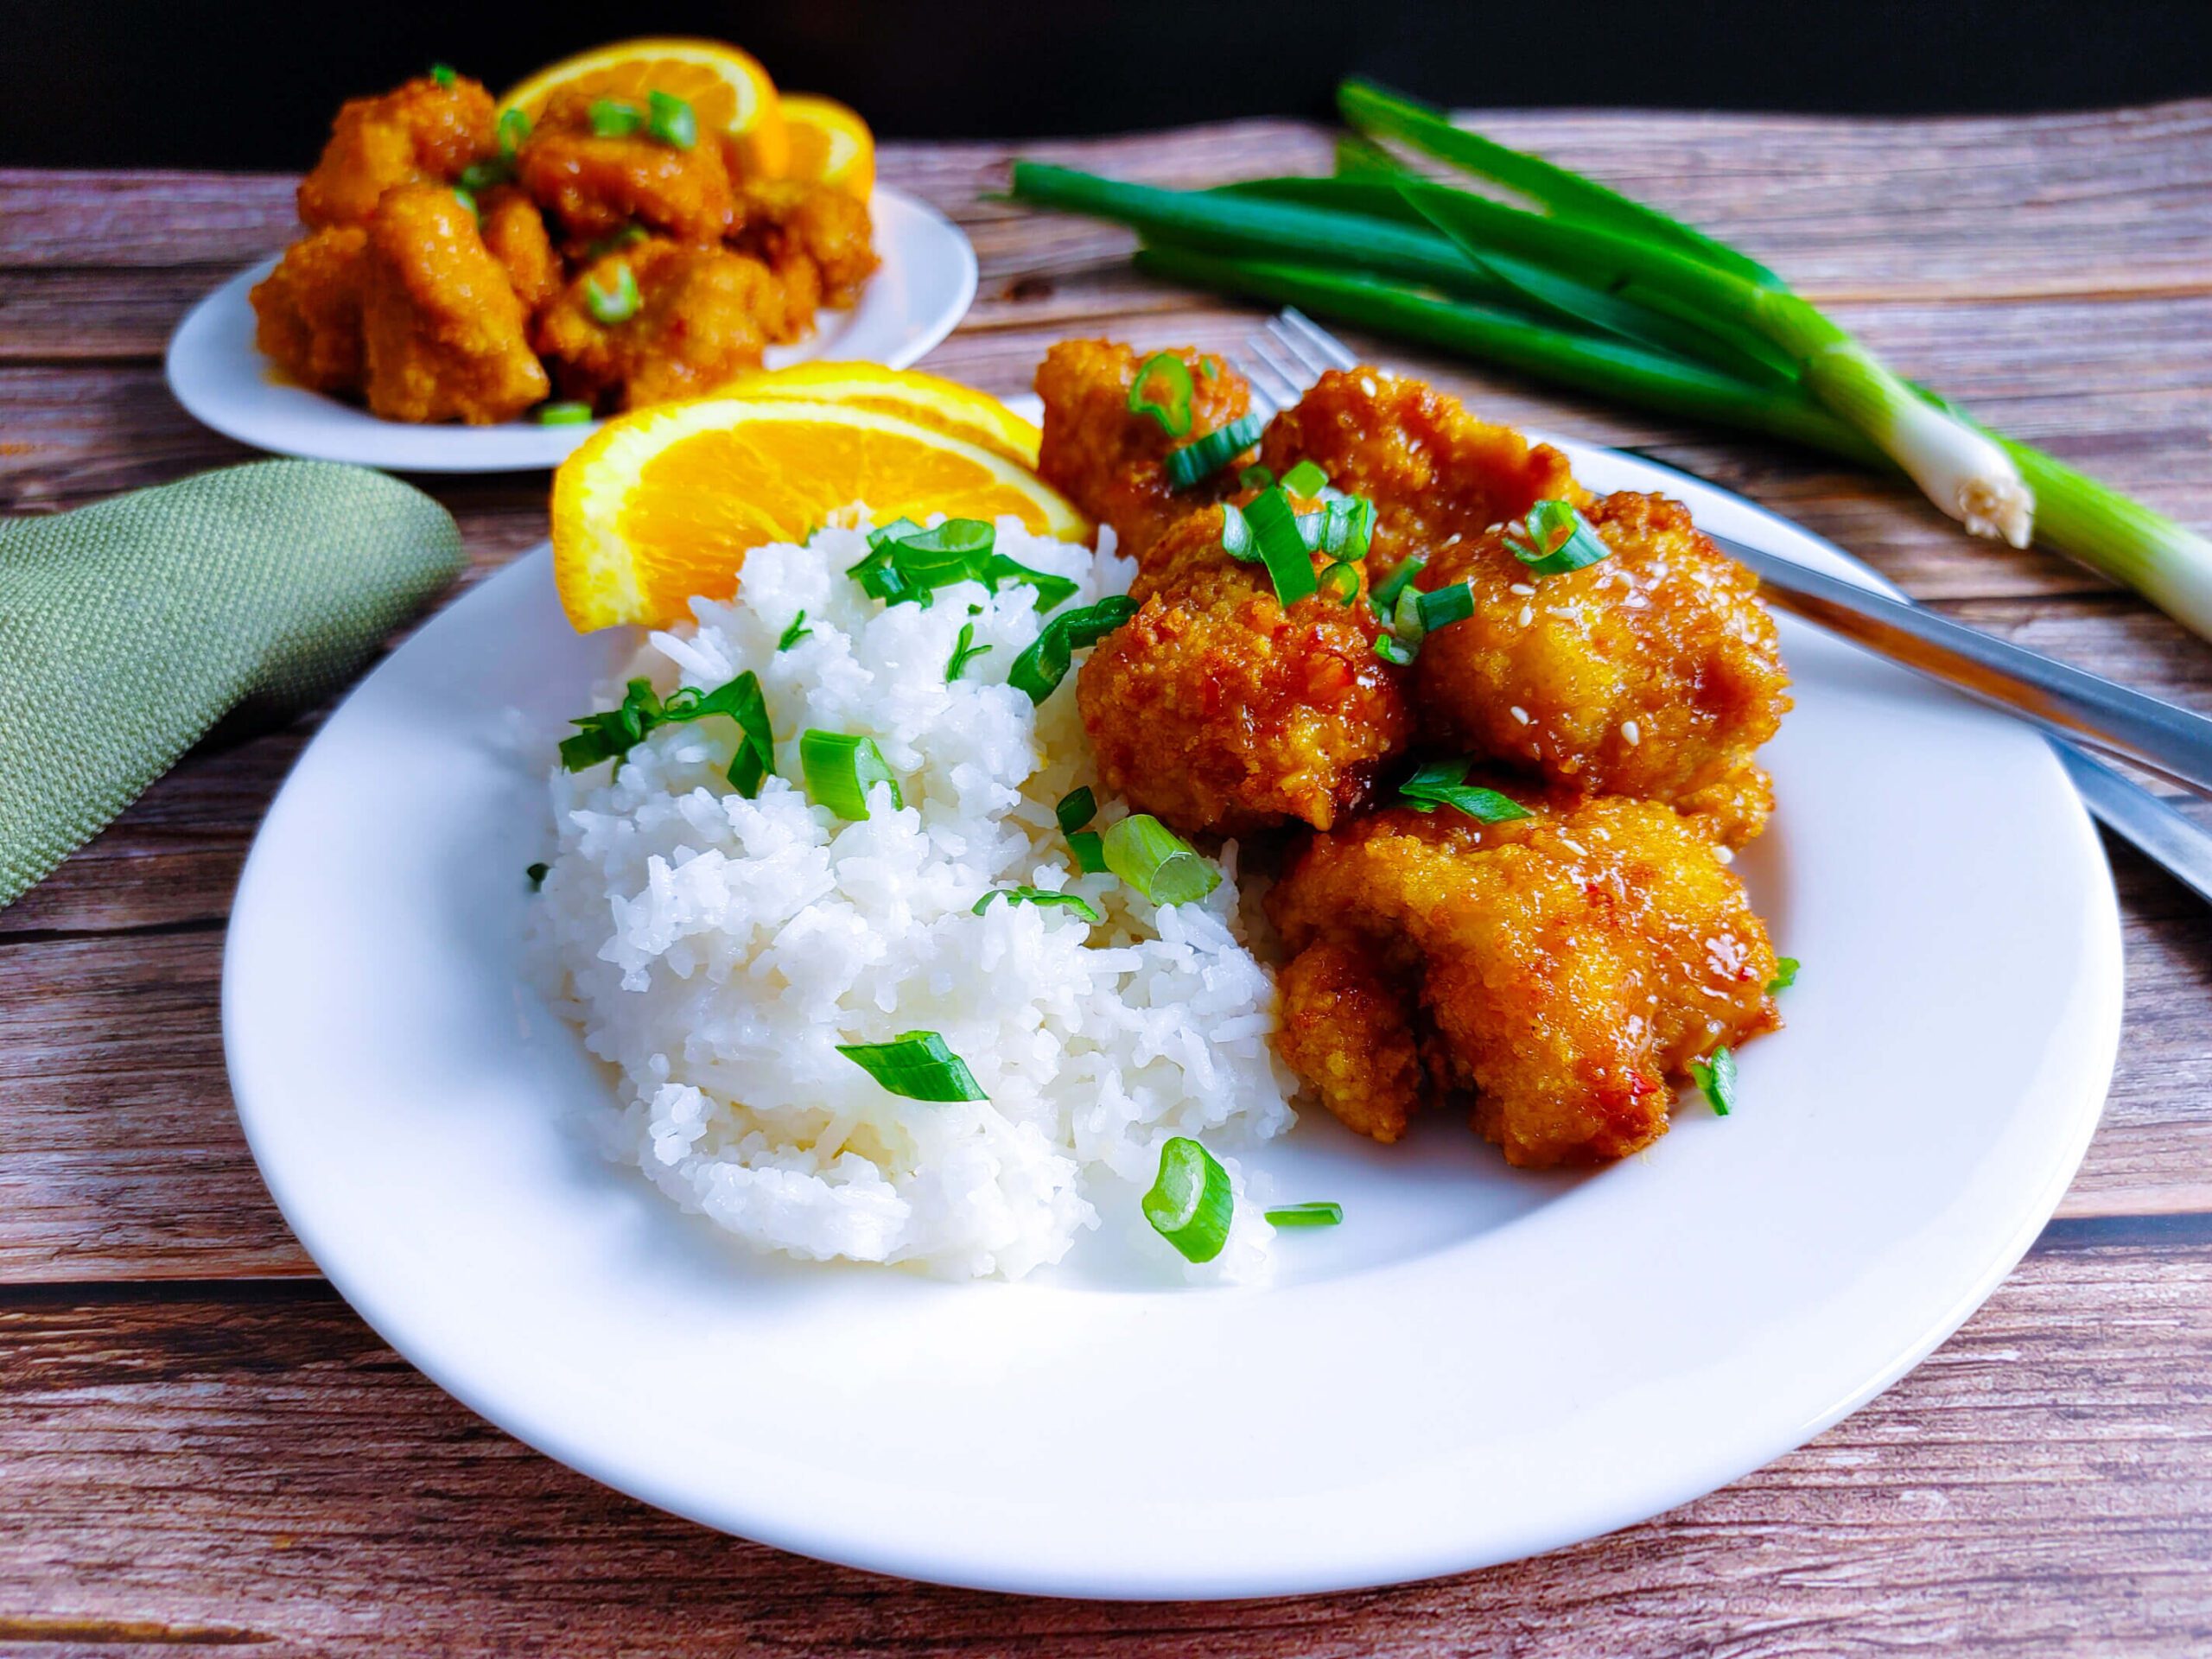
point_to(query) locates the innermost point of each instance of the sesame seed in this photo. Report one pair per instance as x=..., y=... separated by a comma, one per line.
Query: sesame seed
x=1528, y=614
x=1724, y=854
x=1574, y=847
x=1521, y=588
x=1632, y=732
x=1520, y=714
x=1367, y=384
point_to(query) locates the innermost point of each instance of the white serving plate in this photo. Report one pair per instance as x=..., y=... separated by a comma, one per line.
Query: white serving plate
x=1479, y=1364
x=918, y=294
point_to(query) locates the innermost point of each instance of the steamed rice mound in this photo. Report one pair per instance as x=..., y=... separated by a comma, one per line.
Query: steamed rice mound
x=715, y=950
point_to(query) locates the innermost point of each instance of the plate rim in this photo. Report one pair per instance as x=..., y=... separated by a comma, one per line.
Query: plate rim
x=453, y=459
x=1626, y=1503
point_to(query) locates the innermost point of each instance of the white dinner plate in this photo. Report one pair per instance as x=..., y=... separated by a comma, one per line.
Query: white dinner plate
x=1478, y=1364
x=915, y=299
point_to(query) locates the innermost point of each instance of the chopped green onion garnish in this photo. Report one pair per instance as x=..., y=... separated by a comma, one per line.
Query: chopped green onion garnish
x=1040, y=670
x=963, y=653
x=918, y=1066
x=1785, y=975
x=628, y=236
x=1255, y=477
x=442, y=73
x=1236, y=534
x=793, y=634
x=1444, y=783
x=1304, y=479
x=563, y=414
x=537, y=874
x=1384, y=596
x=614, y=733
x=1203, y=457
x=1343, y=529
x=612, y=118
x=1555, y=539
x=1208, y=368
x=1052, y=591
x=1162, y=390
x=1416, y=615
x=619, y=306
x=1090, y=849
x=840, y=770
x=1077, y=808
x=671, y=120
x=1318, y=1213
x=1340, y=582
x=514, y=128
x=1040, y=896
x=482, y=175
x=1717, y=1077
x=466, y=198
x=1394, y=651
x=1275, y=536
x=1158, y=862
x=1190, y=1202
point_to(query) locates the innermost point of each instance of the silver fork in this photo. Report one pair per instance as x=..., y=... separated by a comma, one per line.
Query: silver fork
x=1290, y=351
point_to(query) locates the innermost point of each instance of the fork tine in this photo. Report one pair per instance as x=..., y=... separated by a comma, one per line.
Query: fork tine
x=1310, y=362
x=1287, y=367
x=1269, y=384
x=1334, y=350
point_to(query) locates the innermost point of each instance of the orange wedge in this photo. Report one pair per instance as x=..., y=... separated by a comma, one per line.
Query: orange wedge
x=932, y=400
x=727, y=90
x=830, y=144
x=661, y=504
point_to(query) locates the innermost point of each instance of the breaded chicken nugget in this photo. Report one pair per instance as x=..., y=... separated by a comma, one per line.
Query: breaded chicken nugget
x=1434, y=471
x=1111, y=462
x=307, y=311
x=442, y=326
x=815, y=239
x=1573, y=963
x=1217, y=710
x=515, y=232
x=702, y=316
x=594, y=187
x=421, y=132
x=1655, y=673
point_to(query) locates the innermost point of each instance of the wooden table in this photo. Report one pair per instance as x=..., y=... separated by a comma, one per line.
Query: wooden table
x=200, y=1444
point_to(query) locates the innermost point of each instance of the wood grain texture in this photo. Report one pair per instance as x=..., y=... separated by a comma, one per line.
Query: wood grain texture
x=199, y=1446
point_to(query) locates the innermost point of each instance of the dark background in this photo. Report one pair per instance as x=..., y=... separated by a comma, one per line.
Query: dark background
x=254, y=85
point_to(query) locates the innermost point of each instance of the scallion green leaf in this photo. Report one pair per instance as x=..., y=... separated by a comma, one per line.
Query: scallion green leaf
x=1444, y=783
x=756, y=747
x=612, y=735
x=1090, y=849
x=793, y=634
x=906, y=563
x=514, y=130
x=1384, y=596
x=443, y=73
x=842, y=769
x=1716, y=1078
x=963, y=653
x=1304, y=479
x=1158, y=862
x=1040, y=670
x=1190, y=1200
x=1395, y=651
x=672, y=121
x=484, y=175
x=1077, y=808
x=612, y=117
x=1785, y=975
x=916, y=1066
x=1203, y=457
x=568, y=413
x=466, y=198
x=1280, y=545
x=1555, y=539
x=1162, y=390
x=1052, y=591
x=1418, y=614
x=1042, y=897
x=618, y=305
x=1255, y=477
x=1316, y=1213
x=1340, y=582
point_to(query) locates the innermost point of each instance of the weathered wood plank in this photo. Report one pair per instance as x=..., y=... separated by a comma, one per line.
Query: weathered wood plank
x=255, y=1467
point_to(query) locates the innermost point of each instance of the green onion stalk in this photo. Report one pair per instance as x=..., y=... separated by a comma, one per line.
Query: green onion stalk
x=1602, y=294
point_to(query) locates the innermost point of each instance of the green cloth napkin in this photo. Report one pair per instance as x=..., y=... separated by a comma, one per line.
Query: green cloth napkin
x=129, y=627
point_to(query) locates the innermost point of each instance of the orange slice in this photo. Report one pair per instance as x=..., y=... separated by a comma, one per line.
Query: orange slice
x=830, y=144
x=661, y=504
x=932, y=400
x=727, y=90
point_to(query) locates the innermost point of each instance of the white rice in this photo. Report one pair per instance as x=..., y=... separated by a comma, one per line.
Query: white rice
x=715, y=951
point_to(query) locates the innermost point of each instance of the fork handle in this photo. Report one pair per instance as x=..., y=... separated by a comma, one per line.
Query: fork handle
x=2158, y=736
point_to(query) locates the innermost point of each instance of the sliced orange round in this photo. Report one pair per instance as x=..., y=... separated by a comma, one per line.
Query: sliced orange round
x=830, y=144
x=931, y=399
x=661, y=504
x=727, y=89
